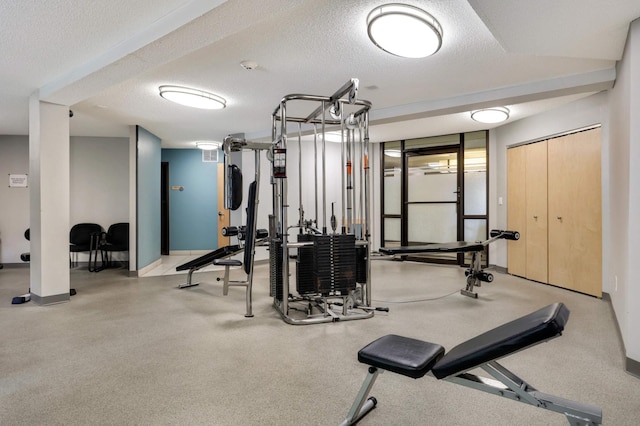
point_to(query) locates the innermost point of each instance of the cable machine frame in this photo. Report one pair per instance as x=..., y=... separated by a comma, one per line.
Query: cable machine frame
x=344, y=111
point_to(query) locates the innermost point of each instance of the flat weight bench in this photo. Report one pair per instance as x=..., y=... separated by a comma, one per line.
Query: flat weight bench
x=415, y=358
x=475, y=274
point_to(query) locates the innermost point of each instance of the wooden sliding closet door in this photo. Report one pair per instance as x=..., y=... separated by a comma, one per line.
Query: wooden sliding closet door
x=516, y=210
x=536, y=211
x=575, y=212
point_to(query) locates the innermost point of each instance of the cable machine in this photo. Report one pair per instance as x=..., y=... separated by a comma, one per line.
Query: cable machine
x=333, y=267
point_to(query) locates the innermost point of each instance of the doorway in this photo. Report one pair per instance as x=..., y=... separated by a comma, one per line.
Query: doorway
x=432, y=200
x=435, y=190
x=164, y=208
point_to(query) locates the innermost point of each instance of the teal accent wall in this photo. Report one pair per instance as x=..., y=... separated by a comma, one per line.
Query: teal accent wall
x=148, y=202
x=193, y=212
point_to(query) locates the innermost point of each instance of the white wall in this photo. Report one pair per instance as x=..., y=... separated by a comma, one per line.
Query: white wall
x=99, y=180
x=14, y=202
x=99, y=188
x=625, y=190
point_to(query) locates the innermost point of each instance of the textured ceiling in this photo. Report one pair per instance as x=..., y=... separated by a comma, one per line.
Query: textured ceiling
x=106, y=59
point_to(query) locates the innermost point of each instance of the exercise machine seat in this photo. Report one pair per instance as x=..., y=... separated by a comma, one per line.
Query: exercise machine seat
x=227, y=262
x=403, y=355
x=506, y=339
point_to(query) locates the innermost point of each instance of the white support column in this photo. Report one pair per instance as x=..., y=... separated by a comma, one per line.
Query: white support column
x=49, y=201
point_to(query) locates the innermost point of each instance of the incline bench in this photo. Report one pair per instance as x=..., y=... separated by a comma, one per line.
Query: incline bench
x=415, y=358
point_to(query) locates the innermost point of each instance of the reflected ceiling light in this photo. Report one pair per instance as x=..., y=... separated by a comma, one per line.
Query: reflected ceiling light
x=490, y=115
x=208, y=146
x=404, y=30
x=393, y=153
x=333, y=136
x=192, y=97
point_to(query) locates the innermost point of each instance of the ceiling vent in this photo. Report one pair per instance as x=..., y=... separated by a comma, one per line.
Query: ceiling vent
x=210, y=155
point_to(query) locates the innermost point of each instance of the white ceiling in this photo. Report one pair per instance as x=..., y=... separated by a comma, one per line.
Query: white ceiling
x=106, y=59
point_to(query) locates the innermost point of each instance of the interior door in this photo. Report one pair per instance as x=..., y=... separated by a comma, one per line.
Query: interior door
x=575, y=212
x=536, y=212
x=433, y=198
x=516, y=210
x=223, y=214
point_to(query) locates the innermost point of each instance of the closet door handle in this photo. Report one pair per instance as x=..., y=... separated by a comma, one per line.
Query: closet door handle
x=535, y=217
x=559, y=218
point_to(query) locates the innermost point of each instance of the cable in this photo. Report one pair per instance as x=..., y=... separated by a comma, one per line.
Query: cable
x=418, y=300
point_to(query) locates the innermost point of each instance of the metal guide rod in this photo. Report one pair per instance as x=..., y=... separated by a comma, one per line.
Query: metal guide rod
x=315, y=166
x=324, y=176
x=343, y=219
x=349, y=187
x=361, y=173
x=352, y=178
x=367, y=212
x=284, y=224
x=300, y=208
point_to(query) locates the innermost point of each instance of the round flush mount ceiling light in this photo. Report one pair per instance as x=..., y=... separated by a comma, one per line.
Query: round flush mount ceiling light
x=194, y=98
x=404, y=30
x=490, y=115
x=208, y=145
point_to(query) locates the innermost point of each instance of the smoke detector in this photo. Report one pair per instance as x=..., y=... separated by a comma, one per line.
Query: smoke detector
x=249, y=65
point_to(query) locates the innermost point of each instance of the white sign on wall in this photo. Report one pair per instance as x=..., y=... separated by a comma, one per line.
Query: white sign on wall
x=18, y=181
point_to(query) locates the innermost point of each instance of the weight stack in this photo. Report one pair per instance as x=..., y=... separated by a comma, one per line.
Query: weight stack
x=334, y=263
x=361, y=264
x=275, y=268
x=305, y=283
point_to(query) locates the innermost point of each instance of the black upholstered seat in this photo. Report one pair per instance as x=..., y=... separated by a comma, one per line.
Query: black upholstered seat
x=402, y=355
x=116, y=239
x=83, y=237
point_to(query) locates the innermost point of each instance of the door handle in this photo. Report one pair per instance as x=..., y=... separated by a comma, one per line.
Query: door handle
x=220, y=214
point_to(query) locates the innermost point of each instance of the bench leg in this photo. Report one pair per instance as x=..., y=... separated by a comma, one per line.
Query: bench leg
x=362, y=405
x=225, y=284
x=189, y=280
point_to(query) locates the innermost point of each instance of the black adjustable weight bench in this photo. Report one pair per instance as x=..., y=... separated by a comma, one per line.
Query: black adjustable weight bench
x=415, y=358
x=475, y=274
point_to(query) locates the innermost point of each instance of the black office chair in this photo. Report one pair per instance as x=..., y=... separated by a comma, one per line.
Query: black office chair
x=115, y=239
x=84, y=237
x=26, y=257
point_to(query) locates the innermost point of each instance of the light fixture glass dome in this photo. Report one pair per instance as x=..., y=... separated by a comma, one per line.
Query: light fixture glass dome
x=404, y=30
x=393, y=153
x=208, y=145
x=194, y=98
x=490, y=115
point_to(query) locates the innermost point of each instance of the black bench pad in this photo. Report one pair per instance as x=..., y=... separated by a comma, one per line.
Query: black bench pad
x=506, y=339
x=454, y=247
x=402, y=355
x=208, y=258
